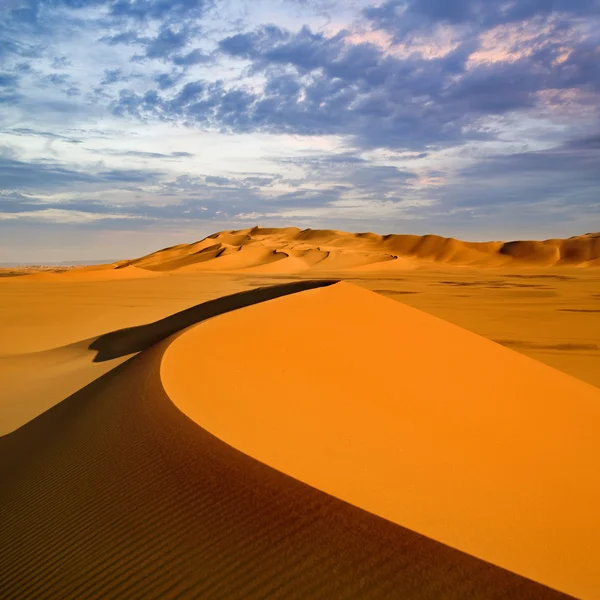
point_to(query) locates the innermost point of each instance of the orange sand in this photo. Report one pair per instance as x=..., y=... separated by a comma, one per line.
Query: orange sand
x=329, y=250
x=410, y=418
x=111, y=491
x=114, y=493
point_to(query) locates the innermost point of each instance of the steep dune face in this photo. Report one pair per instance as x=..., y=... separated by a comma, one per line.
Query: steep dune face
x=338, y=250
x=581, y=249
x=410, y=418
x=538, y=253
x=238, y=258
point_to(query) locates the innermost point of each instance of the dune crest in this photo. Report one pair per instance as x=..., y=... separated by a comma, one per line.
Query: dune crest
x=410, y=418
x=291, y=250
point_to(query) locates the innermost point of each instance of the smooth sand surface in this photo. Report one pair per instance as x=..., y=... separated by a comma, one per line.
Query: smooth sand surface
x=410, y=418
x=114, y=493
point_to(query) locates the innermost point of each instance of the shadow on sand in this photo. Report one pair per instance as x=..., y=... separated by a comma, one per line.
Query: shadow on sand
x=135, y=339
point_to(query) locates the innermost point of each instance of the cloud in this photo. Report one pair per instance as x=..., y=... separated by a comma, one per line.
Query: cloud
x=113, y=76
x=194, y=57
x=56, y=215
x=588, y=143
x=406, y=17
x=167, y=80
x=141, y=154
x=19, y=175
x=61, y=62
x=324, y=85
x=270, y=44
x=167, y=42
x=561, y=182
x=127, y=37
x=214, y=180
x=318, y=83
x=8, y=80
x=15, y=206
x=165, y=45
x=30, y=12
x=577, y=156
x=28, y=131
x=157, y=9
x=260, y=181
x=56, y=79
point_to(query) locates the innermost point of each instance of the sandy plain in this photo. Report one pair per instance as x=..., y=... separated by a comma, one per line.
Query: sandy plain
x=145, y=427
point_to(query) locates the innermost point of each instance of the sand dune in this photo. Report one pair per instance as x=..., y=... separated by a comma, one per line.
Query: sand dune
x=410, y=418
x=293, y=251
x=115, y=493
x=340, y=251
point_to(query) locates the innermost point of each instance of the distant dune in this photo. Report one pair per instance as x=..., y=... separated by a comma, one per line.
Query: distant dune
x=291, y=250
x=302, y=441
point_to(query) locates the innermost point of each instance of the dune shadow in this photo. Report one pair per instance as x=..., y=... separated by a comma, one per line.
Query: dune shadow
x=399, y=292
x=536, y=276
x=494, y=284
x=564, y=347
x=135, y=339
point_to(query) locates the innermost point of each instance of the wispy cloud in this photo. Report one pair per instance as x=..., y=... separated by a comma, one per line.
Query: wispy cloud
x=56, y=215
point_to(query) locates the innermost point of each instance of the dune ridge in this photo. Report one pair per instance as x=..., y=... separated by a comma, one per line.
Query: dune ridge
x=411, y=418
x=61, y=371
x=114, y=492
x=291, y=250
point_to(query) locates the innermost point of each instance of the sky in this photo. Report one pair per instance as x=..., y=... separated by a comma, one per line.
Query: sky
x=131, y=125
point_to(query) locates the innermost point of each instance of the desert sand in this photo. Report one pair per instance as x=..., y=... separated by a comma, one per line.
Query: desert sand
x=292, y=250
x=304, y=414
x=411, y=418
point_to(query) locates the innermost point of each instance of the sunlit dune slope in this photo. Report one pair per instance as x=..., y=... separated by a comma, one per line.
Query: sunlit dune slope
x=409, y=417
x=309, y=250
x=115, y=493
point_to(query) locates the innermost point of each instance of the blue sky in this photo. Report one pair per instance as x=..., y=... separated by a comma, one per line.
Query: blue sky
x=128, y=125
